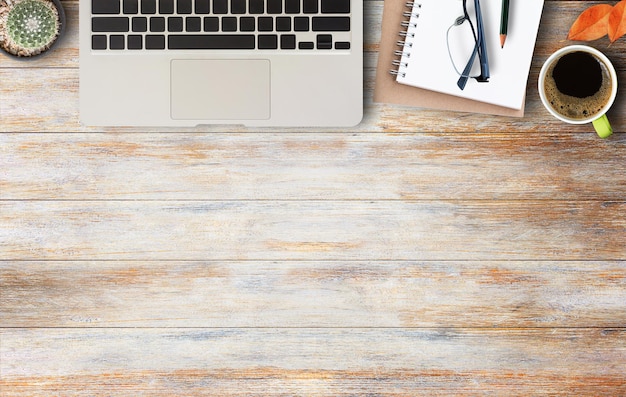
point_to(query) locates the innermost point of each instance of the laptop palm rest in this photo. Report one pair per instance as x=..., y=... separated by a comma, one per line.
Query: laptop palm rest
x=228, y=89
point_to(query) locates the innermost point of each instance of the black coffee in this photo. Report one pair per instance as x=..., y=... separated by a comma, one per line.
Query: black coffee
x=578, y=85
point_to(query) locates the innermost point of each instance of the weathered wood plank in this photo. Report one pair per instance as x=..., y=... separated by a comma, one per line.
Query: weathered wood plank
x=48, y=102
x=306, y=166
x=312, y=230
x=313, y=294
x=321, y=362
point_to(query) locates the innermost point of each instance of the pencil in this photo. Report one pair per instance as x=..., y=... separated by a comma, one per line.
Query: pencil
x=504, y=22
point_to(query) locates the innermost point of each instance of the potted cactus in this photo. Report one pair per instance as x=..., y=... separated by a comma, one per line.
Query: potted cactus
x=30, y=27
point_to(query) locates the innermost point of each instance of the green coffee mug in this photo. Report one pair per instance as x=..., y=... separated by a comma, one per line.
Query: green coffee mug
x=556, y=81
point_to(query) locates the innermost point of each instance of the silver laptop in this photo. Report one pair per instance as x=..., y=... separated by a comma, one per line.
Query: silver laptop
x=195, y=62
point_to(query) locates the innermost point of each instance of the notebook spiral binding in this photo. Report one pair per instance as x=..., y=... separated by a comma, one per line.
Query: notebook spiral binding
x=406, y=41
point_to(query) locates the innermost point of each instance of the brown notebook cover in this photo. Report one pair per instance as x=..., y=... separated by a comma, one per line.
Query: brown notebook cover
x=387, y=90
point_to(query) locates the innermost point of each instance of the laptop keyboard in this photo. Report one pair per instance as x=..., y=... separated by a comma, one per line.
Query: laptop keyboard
x=294, y=25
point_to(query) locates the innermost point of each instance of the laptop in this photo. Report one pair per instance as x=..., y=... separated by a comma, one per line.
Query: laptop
x=197, y=62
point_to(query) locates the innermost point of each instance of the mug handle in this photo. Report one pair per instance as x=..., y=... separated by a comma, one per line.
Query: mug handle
x=602, y=126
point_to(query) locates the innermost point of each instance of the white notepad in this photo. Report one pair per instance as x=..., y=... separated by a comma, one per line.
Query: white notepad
x=425, y=60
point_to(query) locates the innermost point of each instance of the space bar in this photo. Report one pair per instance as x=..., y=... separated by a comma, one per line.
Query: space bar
x=211, y=42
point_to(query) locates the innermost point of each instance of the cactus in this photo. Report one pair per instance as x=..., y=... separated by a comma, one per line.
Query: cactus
x=28, y=27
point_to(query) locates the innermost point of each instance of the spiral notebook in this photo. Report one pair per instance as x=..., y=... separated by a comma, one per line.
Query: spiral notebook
x=414, y=44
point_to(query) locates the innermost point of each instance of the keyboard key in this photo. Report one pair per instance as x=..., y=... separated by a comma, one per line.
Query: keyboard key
x=268, y=42
x=174, y=24
x=274, y=6
x=166, y=6
x=157, y=24
x=193, y=24
x=238, y=6
x=331, y=24
x=211, y=42
x=183, y=6
x=109, y=24
x=202, y=7
x=140, y=24
x=116, y=42
x=256, y=6
x=155, y=42
x=283, y=24
x=99, y=42
x=131, y=6
x=220, y=6
x=336, y=6
x=292, y=6
x=324, y=42
x=105, y=6
x=288, y=42
x=229, y=24
x=211, y=24
x=247, y=24
x=148, y=6
x=135, y=42
x=342, y=45
x=301, y=24
x=266, y=24
x=310, y=6
x=306, y=45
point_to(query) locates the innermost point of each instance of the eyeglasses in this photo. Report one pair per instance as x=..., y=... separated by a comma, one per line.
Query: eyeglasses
x=464, y=42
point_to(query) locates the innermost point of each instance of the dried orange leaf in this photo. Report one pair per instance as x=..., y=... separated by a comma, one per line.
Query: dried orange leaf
x=617, y=21
x=591, y=24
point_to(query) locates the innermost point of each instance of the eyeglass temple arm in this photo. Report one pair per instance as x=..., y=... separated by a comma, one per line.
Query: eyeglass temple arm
x=480, y=48
x=462, y=81
x=482, y=53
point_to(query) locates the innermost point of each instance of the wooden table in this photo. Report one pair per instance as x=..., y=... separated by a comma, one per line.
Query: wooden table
x=420, y=253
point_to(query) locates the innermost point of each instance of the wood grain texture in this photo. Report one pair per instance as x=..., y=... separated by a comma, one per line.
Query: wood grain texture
x=392, y=259
x=313, y=294
x=349, y=230
x=324, y=362
x=295, y=166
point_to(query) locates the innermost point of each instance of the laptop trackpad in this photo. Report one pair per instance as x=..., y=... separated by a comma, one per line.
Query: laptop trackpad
x=220, y=89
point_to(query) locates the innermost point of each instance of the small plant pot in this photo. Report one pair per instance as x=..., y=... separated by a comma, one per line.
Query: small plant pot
x=29, y=28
